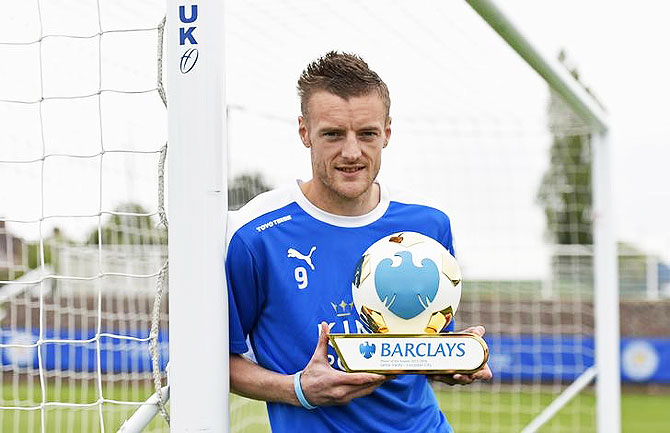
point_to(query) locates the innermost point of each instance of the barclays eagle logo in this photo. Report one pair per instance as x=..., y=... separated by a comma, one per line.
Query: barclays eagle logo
x=367, y=349
x=406, y=290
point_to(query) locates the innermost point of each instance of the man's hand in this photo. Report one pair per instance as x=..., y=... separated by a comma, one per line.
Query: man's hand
x=466, y=379
x=325, y=386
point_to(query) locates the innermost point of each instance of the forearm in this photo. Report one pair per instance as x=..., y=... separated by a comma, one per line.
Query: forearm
x=253, y=381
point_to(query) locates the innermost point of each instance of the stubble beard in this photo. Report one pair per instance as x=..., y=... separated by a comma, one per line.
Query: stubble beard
x=341, y=191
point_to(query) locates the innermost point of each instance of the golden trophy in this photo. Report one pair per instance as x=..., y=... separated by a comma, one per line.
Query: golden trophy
x=406, y=289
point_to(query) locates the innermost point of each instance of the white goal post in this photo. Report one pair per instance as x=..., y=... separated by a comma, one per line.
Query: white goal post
x=606, y=297
x=197, y=198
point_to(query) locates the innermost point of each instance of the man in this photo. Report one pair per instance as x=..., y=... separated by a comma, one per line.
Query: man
x=291, y=258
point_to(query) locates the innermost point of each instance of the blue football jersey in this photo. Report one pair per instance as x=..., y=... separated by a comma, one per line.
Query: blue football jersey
x=289, y=267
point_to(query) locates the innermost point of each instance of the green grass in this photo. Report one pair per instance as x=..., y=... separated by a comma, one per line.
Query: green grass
x=646, y=413
x=57, y=419
x=483, y=409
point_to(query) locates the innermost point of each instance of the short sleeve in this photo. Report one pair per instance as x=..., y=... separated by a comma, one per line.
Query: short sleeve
x=245, y=295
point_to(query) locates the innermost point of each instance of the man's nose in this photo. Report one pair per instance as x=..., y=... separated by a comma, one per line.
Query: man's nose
x=351, y=148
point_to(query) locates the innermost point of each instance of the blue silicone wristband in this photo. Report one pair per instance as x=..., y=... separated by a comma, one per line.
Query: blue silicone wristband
x=298, y=391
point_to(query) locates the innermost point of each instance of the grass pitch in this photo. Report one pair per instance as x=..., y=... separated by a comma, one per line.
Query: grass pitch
x=505, y=411
x=477, y=409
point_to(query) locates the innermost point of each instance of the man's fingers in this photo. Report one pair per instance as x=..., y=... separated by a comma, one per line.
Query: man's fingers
x=444, y=378
x=337, y=387
x=478, y=330
x=363, y=384
x=463, y=379
x=362, y=391
x=321, y=350
x=483, y=374
x=362, y=379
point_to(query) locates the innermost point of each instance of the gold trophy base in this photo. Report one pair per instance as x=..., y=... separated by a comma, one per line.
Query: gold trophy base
x=451, y=353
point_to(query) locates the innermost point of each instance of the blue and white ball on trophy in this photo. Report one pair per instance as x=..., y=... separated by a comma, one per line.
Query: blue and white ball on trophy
x=406, y=289
x=406, y=283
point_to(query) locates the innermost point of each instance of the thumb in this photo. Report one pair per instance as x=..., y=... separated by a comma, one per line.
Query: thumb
x=321, y=350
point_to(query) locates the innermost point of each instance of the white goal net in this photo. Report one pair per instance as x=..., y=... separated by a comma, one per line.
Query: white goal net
x=83, y=135
x=82, y=140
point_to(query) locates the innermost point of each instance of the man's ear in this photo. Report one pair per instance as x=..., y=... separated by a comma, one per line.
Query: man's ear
x=387, y=131
x=303, y=132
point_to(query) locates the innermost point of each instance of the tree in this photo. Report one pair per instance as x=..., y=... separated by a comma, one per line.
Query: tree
x=244, y=187
x=129, y=224
x=565, y=191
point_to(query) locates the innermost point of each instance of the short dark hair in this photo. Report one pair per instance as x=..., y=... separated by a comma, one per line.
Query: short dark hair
x=342, y=74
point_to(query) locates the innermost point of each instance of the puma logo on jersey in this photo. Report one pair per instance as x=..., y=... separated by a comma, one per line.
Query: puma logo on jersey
x=292, y=252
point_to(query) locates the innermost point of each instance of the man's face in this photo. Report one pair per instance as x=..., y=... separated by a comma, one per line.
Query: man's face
x=346, y=138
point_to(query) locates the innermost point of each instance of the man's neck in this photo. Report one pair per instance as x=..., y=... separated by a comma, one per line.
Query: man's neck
x=335, y=204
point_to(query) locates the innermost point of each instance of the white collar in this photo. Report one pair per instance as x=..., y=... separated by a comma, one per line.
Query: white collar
x=342, y=220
